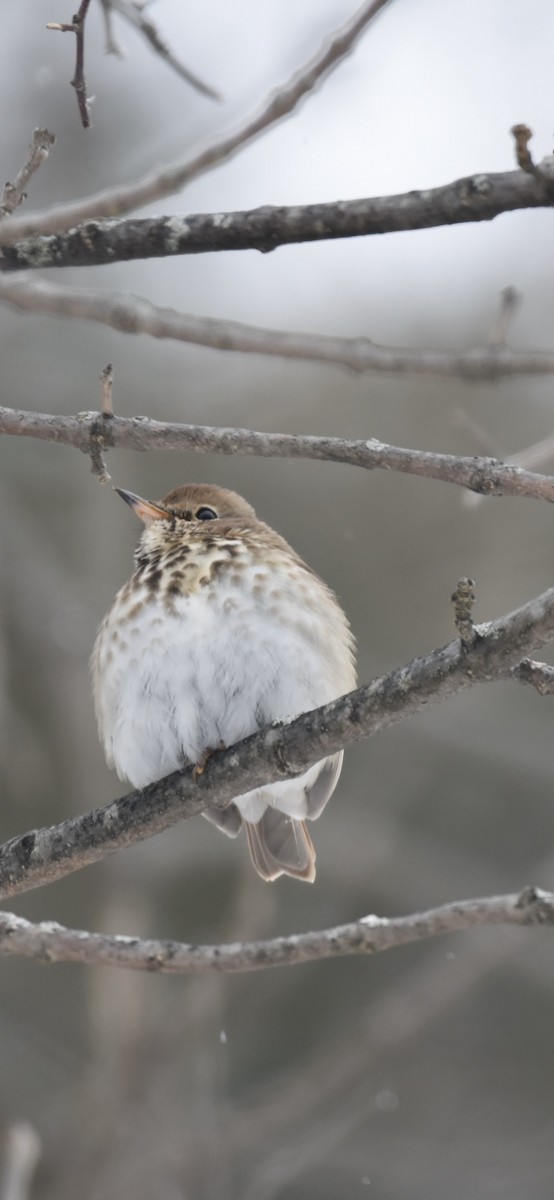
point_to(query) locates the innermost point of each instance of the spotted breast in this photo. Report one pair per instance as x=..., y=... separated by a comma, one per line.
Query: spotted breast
x=221, y=629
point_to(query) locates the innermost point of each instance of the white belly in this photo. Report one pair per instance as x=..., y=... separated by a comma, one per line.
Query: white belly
x=221, y=663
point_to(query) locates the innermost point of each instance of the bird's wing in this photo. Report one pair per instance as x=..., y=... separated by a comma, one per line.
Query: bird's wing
x=321, y=789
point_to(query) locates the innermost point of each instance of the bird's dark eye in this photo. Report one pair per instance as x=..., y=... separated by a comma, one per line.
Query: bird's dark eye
x=206, y=514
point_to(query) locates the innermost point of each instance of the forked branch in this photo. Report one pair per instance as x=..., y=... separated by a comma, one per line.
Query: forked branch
x=170, y=178
x=133, y=13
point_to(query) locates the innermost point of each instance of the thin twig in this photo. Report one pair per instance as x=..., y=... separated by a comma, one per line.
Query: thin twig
x=522, y=136
x=480, y=436
x=98, y=437
x=134, y=314
x=106, y=380
x=95, y=243
x=509, y=301
x=536, y=454
x=77, y=26
x=112, y=45
x=172, y=178
x=133, y=14
x=281, y=751
x=78, y=82
x=99, y=441
x=486, y=476
x=97, y=432
x=97, y=464
x=14, y=193
x=463, y=599
x=51, y=942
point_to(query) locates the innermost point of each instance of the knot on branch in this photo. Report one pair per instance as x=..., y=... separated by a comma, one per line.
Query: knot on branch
x=484, y=480
x=536, y=905
x=540, y=675
x=20, y=850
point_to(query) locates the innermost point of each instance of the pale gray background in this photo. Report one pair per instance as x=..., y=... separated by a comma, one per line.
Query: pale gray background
x=426, y=1072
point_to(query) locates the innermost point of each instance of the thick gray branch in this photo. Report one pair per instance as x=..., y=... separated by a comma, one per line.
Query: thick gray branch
x=134, y=314
x=281, y=751
x=172, y=177
x=53, y=943
x=475, y=198
x=93, y=433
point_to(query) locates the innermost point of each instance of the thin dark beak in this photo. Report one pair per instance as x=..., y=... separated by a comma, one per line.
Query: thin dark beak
x=145, y=509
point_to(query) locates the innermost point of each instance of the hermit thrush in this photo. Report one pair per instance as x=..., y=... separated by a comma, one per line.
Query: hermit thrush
x=221, y=629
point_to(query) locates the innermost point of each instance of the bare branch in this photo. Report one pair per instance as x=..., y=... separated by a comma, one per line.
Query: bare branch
x=51, y=942
x=78, y=82
x=486, y=476
x=134, y=314
x=172, y=178
x=95, y=243
x=134, y=15
x=14, y=193
x=281, y=751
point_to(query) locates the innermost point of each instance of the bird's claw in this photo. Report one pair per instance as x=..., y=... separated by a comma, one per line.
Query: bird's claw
x=200, y=766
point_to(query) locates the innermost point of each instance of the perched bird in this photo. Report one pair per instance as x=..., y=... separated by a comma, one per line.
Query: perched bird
x=221, y=629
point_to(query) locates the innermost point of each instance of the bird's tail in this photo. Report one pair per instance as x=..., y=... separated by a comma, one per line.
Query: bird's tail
x=280, y=845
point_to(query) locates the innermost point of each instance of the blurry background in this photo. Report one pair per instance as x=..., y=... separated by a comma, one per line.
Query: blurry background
x=416, y=1074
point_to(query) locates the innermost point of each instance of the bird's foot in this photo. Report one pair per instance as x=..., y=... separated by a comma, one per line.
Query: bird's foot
x=200, y=766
